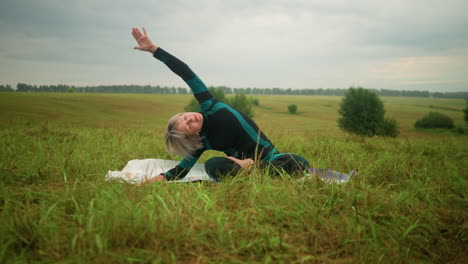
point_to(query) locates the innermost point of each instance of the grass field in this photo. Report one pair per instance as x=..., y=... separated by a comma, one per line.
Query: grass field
x=406, y=205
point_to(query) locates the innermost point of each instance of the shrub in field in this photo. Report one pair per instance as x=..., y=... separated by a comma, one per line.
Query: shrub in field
x=434, y=120
x=238, y=101
x=255, y=101
x=241, y=103
x=389, y=128
x=292, y=108
x=194, y=106
x=362, y=113
x=460, y=130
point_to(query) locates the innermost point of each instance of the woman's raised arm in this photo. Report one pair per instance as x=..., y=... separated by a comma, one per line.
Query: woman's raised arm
x=199, y=89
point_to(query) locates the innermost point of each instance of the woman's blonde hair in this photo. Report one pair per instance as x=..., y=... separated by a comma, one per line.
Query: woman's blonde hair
x=179, y=143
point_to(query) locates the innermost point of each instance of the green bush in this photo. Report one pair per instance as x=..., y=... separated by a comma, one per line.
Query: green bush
x=218, y=93
x=362, y=112
x=460, y=130
x=194, y=106
x=241, y=103
x=389, y=128
x=292, y=108
x=238, y=101
x=434, y=120
x=255, y=101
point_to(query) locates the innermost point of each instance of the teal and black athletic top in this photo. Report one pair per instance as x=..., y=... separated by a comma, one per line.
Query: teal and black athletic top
x=224, y=128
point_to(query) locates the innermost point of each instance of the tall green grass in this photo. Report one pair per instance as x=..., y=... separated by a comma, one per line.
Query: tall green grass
x=407, y=203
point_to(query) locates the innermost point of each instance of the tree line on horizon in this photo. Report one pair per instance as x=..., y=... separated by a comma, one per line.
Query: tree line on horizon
x=148, y=89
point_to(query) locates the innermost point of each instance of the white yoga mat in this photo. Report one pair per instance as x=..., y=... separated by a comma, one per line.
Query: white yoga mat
x=138, y=171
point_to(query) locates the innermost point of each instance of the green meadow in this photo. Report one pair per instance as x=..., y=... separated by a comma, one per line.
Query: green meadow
x=407, y=204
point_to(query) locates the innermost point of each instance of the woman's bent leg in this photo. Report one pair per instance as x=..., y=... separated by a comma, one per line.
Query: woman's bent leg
x=220, y=166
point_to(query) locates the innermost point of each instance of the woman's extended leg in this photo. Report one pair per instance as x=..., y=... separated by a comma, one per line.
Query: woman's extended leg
x=289, y=163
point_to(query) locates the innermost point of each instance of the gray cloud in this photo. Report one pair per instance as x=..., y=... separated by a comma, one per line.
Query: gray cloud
x=276, y=43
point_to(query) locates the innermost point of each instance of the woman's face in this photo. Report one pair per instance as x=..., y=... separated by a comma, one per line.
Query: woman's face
x=190, y=123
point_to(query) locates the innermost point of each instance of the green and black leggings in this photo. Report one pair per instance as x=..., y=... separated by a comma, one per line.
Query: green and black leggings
x=220, y=167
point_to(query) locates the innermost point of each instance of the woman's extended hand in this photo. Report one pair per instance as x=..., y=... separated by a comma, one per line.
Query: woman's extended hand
x=245, y=163
x=144, y=42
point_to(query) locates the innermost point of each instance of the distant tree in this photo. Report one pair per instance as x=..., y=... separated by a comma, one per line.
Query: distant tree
x=61, y=88
x=6, y=88
x=292, y=108
x=466, y=111
x=362, y=113
x=181, y=90
x=22, y=87
x=70, y=90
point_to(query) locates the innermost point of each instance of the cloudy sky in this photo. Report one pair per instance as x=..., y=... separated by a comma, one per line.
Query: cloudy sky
x=410, y=45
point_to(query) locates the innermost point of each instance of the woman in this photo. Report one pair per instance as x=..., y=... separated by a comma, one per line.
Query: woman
x=217, y=127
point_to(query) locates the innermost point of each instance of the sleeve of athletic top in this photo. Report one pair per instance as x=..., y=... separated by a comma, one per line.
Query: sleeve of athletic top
x=184, y=166
x=199, y=89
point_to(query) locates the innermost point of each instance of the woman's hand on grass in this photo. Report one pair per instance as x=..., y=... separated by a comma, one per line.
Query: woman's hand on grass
x=245, y=163
x=143, y=40
x=159, y=178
